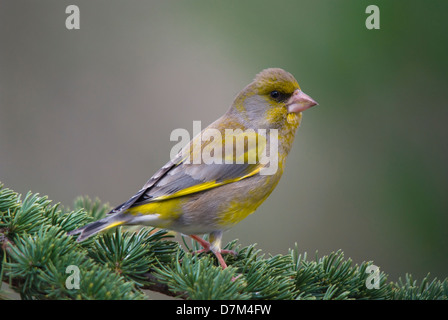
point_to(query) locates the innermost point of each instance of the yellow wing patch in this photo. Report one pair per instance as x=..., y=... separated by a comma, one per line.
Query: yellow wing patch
x=203, y=186
x=167, y=210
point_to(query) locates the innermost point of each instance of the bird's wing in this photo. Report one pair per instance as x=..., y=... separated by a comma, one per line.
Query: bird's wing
x=181, y=176
x=141, y=194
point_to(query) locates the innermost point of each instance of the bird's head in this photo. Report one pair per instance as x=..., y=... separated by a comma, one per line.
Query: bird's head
x=273, y=98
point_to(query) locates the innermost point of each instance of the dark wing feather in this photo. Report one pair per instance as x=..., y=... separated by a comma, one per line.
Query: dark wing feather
x=142, y=195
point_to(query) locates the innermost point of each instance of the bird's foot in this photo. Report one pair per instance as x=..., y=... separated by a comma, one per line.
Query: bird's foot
x=217, y=252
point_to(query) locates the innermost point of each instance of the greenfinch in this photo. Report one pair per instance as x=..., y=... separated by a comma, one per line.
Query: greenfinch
x=209, y=195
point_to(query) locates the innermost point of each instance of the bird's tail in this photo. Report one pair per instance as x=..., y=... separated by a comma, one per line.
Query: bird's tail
x=98, y=226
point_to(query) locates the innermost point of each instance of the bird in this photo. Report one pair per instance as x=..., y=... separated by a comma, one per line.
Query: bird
x=197, y=197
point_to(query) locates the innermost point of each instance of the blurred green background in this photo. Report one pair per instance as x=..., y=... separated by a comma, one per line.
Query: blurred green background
x=90, y=112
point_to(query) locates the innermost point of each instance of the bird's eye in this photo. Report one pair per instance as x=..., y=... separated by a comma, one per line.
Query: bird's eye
x=275, y=94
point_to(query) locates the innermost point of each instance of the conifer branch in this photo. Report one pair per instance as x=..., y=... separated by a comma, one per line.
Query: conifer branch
x=153, y=284
x=37, y=260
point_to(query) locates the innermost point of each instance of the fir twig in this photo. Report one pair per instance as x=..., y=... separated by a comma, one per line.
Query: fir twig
x=36, y=254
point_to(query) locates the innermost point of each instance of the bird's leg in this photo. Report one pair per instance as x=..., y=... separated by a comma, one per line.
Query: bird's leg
x=202, y=242
x=214, y=246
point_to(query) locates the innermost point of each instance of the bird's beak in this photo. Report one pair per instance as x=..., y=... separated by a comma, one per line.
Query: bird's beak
x=299, y=102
